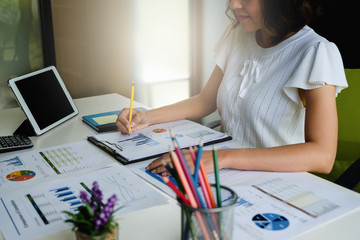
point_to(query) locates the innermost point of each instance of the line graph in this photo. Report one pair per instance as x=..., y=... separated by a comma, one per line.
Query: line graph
x=126, y=194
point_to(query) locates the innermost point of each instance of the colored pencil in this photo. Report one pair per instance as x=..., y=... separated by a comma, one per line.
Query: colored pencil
x=188, y=191
x=211, y=220
x=202, y=181
x=183, y=179
x=188, y=175
x=207, y=185
x=176, y=175
x=131, y=104
x=217, y=179
x=218, y=192
x=197, y=163
x=174, y=188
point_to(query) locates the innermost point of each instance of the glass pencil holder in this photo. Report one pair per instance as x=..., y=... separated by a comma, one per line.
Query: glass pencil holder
x=209, y=223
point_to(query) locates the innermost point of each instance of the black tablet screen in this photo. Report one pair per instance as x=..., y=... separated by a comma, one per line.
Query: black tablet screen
x=45, y=98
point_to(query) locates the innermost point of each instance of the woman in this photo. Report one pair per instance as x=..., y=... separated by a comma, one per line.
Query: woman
x=274, y=85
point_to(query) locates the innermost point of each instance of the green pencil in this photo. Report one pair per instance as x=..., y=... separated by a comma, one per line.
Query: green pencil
x=217, y=178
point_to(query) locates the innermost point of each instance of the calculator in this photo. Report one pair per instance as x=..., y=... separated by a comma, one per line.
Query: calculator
x=14, y=142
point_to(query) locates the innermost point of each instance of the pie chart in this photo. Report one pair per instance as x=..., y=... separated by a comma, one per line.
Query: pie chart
x=271, y=221
x=19, y=176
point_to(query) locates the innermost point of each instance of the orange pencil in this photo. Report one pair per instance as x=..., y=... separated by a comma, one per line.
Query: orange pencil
x=207, y=184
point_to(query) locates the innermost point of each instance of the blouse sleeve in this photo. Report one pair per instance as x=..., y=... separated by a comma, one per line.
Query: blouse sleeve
x=320, y=65
x=223, y=47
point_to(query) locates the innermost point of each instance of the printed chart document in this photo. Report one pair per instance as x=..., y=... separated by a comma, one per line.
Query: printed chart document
x=155, y=140
x=285, y=205
x=156, y=180
x=275, y=205
x=227, y=176
x=36, y=211
x=25, y=168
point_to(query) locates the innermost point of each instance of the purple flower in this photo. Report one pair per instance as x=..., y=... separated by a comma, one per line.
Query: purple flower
x=85, y=198
x=96, y=191
x=103, y=217
x=94, y=206
x=98, y=223
x=111, y=201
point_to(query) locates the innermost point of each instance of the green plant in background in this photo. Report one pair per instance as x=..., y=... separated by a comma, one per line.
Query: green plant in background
x=20, y=44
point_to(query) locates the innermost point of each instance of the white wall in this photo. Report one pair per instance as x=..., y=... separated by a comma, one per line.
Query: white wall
x=90, y=36
x=104, y=45
x=96, y=45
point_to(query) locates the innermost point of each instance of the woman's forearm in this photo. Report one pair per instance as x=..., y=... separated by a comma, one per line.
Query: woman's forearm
x=303, y=157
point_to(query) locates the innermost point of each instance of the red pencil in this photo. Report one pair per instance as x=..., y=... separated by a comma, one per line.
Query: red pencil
x=177, y=191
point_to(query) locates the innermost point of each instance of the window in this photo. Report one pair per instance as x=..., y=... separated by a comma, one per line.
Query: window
x=162, y=51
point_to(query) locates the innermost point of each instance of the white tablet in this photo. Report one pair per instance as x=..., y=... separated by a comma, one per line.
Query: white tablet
x=44, y=98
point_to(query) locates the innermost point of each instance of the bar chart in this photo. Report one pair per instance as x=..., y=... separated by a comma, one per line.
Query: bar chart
x=49, y=206
x=14, y=161
x=68, y=196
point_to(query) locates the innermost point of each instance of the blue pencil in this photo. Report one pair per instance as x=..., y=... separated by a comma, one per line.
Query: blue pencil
x=197, y=163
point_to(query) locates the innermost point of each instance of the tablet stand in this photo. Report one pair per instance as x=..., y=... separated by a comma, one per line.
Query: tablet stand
x=25, y=129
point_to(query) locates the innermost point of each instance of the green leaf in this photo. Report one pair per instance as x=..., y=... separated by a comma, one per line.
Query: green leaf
x=89, y=210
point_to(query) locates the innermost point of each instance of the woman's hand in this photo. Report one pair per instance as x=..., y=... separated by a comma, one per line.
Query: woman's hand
x=139, y=121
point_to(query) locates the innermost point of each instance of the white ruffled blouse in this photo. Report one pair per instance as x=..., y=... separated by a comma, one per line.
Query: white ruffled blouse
x=258, y=98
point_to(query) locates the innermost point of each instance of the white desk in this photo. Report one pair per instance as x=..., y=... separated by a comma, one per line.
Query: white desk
x=160, y=222
x=137, y=225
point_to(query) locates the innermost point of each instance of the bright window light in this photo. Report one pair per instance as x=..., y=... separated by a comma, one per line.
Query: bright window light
x=162, y=44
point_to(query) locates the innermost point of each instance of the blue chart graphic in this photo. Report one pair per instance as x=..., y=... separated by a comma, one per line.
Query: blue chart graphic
x=271, y=221
x=15, y=162
x=48, y=209
x=141, y=139
x=158, y=177
x=243, y=202
x=64, y=194
x=177, y=135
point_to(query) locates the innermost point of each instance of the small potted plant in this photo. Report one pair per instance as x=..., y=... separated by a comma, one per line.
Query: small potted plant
x=94, y=219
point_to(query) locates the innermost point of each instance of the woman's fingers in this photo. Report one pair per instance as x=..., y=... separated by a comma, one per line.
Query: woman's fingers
x=122, y=121
x=158, y=166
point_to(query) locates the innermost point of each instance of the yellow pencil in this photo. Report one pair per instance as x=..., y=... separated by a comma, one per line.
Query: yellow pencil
x=131, y=104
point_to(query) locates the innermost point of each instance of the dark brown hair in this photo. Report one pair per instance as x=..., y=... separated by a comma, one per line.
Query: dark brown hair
x=285, y=16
